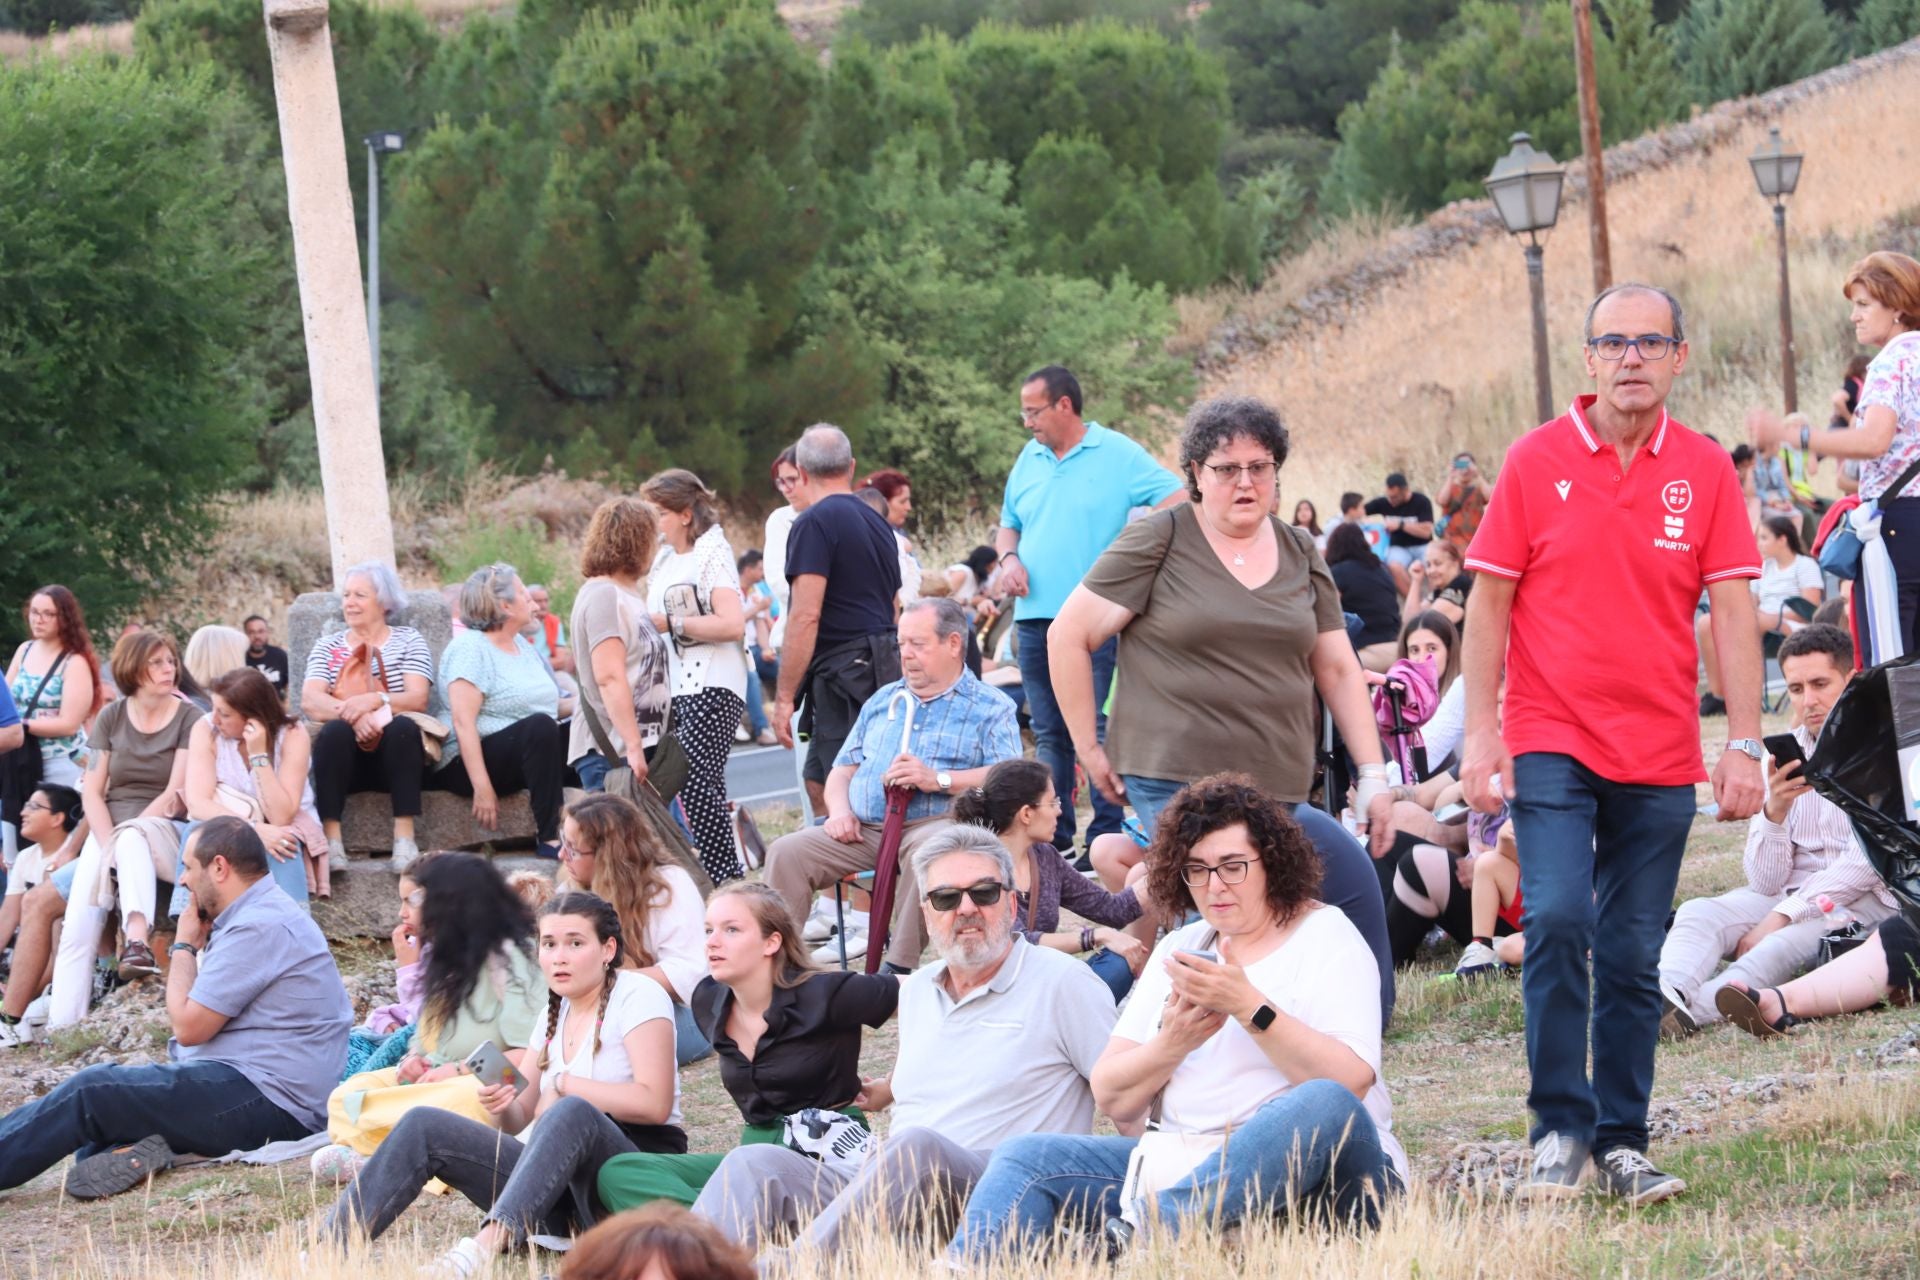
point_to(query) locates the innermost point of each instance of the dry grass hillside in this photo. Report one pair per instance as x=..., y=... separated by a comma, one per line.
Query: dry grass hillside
x=1396, y=347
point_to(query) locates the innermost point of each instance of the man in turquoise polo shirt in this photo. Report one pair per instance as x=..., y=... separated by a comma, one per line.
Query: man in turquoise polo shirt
x=1067, y=497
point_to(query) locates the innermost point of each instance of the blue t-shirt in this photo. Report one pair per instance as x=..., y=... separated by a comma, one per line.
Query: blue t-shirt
x=851, y=545
x=511, y=688
x=1067, y=510
x=267, y=969
x=9, y=714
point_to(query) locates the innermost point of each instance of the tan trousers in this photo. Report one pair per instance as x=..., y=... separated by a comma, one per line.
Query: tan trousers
x=808, y=860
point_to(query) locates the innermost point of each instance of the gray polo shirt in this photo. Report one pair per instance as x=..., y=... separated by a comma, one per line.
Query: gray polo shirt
x=267, y=968
x=1009, y=1058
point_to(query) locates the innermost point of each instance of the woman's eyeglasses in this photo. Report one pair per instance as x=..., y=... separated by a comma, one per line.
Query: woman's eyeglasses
x=1196, y=873
x=569, y=852
x=1230, y=472
x=984, y=894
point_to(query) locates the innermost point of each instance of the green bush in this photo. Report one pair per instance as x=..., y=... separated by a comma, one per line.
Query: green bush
x=1880, y=24
x=1731, y=48
x=37, y=17
x=129, y=278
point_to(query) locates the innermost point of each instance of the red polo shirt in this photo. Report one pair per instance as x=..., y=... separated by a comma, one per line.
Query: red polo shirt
x=1601, y=654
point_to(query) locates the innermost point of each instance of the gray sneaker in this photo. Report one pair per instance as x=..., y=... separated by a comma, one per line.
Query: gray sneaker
x=1477, y=961
x=1676, y=1023
x=1560, y=1163
x=1628, y=1174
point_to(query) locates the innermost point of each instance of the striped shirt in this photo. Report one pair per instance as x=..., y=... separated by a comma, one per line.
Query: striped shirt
x=969, y=726
x=1813, y=852
x=404, y=654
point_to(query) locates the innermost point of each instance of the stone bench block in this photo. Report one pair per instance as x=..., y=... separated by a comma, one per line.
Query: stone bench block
x=445, y=822
x=366, y=899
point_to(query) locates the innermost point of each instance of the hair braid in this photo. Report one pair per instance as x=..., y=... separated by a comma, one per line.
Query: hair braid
x=606, y=997
x=553, y=1025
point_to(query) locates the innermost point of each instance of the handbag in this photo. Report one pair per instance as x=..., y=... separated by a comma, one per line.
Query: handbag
x=363, y=673
x=1162, y=1158
x=23, y=768
x=647, y=796
x=835, y=1139
x=1840, y=553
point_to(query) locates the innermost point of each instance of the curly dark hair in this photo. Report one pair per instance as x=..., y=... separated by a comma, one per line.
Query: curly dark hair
x=1222, y=420
x=1214, y=804
x=471, y=915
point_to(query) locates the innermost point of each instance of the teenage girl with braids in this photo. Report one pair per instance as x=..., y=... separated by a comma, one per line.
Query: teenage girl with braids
x=608, y=847
x=1017, y=803
x=599, y=1082
x=788, y=1036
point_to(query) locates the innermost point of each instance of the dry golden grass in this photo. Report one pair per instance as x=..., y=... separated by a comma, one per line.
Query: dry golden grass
x=115, y=37
x=1397, y=366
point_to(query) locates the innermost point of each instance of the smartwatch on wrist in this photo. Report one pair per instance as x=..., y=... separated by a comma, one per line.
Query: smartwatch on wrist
x=1262, y=1018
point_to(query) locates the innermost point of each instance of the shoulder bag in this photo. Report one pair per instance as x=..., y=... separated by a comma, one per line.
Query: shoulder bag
x=1840, y=553
x=23, y=768
x=666, y=774
x=363, y=672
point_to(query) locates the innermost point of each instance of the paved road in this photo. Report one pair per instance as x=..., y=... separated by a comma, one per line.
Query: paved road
x=758, y=776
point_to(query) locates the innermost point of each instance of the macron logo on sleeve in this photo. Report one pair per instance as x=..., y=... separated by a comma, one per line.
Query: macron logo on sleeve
x=1562, y=487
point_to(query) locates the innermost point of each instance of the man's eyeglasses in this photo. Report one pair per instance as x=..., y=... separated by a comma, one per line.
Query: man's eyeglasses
x=1196, y=873
x=1028, y=415
x=984, y=894
x=1651, y=346
x=1229, y=472
x=34, y=806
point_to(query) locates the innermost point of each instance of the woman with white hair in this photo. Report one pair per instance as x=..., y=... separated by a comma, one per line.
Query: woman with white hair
x=360, y=684
x=503, y=705
x=211, y=652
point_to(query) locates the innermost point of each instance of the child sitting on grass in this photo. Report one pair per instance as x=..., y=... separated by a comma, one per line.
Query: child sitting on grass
x=1496, y=903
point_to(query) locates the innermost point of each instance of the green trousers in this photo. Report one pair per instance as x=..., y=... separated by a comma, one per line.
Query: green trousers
x=629, y=1181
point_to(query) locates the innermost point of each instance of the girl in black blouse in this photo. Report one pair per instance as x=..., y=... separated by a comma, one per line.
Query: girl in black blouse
x=787, y=1034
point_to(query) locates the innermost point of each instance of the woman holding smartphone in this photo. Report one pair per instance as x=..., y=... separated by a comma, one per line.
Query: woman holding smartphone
x=481, y=984
x=787, y=1033
x=595, y=1082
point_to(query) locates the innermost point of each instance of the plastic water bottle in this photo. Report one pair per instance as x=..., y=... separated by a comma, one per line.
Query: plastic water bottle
x=1832, y=915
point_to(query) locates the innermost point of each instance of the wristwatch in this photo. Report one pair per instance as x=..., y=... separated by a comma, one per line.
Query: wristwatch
x=259, y=761
x=386, y=699
x=187, y=947
x=943, y=780
x=1262, y=1018
x=1749, y=747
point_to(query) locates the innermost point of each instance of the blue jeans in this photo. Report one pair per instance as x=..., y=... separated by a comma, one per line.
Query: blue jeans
x=689, y=1045
x=1313, y=1147
x=1598, y=874
x=290, y=875
x=592, y=769
x=1112, y=970
x=1051, y=741
x=200, y=1108
x=756, y=707
x=1149, y=796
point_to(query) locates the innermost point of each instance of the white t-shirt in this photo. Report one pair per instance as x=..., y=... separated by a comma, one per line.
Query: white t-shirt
x=677, y=933
x=28, y=870
x=774, y=561
x=636, y=999
x=707, y=567
x=1324, y=975
x=1775, y=585
x=909, y=570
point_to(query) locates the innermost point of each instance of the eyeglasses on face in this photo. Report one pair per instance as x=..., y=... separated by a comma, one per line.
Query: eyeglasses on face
x=569, y=851
x=1196, y=873
x=784, y=483
x=1230, y=472
x=1651, y=346
x=984, y=894
x=34, y=806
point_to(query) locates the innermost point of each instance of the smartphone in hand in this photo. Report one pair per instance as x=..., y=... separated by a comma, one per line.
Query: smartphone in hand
x=1211, y=957
x=490, y=1067
x=1784, y=747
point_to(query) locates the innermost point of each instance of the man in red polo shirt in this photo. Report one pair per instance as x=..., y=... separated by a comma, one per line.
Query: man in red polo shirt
x=1601, y=532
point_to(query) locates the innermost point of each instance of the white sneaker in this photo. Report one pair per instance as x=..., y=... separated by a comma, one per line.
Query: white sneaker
x=15, y=1034
x=458, y=1263
x=34, y=1021
x=742, y=734
x=1476, y=961
x=336, y=1164
x=821, y=925
x=405, y=854
x=829, y=954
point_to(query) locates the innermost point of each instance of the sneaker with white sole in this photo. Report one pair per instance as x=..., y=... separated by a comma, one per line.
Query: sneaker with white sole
x=1560, y=1164
x=405, y=853
x=819, y=923
x=1676, y=1020
x=15, y=1034
x=829, y=952
x=464, y=1260
x=1628, y=1174
x=34, y=1021
x=336, y=1164
x=1477, y=961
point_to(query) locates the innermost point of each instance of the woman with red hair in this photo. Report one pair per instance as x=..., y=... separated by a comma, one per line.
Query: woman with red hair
x=898, y=491
x=58, y=674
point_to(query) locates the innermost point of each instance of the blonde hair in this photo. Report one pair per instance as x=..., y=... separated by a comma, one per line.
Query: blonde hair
x=214, y=651
x=794, y=963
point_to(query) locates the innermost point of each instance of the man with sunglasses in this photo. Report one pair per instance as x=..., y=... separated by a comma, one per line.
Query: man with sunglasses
x=958, y=728
x=1599, y=763
x=997, y=1039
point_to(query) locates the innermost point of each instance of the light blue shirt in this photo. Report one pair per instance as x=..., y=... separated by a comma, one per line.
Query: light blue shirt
x=511, y=688
x=969, y=726
x=1068, y=509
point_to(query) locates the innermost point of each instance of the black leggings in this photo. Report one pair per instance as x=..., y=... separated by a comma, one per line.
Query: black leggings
x=1900, y=937
x=1407, y=928
x=528, y=755
x=340, y=768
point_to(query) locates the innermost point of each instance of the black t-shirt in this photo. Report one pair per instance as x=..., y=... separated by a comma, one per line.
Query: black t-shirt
x=1366, y=588
x=272, y=663
x=809, y=1055
x=1418, y=507
x=1455, y=592
x=852, y=546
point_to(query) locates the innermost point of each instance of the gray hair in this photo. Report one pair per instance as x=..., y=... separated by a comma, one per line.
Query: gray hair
x=485, y=595
x=1630, y=286
x=384, y=581
x=962, y=837
x=949, y=619
x=823, y=451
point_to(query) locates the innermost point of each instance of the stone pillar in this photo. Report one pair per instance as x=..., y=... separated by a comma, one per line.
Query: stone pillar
x=346, y=410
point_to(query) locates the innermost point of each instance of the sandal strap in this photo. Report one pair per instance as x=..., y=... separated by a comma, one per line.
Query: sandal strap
x=1786, y=1018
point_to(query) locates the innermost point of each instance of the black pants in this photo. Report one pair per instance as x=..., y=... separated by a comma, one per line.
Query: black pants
x=705, y=723
x=340, y=767
x=528, y=755
x=1900, y=528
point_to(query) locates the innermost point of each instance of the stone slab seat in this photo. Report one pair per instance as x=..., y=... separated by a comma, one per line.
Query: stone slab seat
x=445, y=822
x=366, y=899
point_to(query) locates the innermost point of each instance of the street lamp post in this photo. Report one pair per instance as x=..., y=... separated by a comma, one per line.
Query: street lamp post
x=378, y=144
x=1776, y=171
x=1525, y=187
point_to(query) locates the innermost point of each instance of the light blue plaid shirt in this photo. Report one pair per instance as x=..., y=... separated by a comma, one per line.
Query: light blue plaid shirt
x=967, y=727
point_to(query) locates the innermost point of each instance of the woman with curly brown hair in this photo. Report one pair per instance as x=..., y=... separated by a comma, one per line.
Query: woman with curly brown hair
x=608, y=848
x=1256, y=1020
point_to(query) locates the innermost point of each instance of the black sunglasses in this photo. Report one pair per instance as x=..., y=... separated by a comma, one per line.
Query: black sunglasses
x=984, y=894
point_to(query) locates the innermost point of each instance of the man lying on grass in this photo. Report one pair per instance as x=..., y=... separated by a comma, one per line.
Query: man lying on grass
x=259, y=1019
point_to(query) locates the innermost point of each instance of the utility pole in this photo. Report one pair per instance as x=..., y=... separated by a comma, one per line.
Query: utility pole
x=1590, y=143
